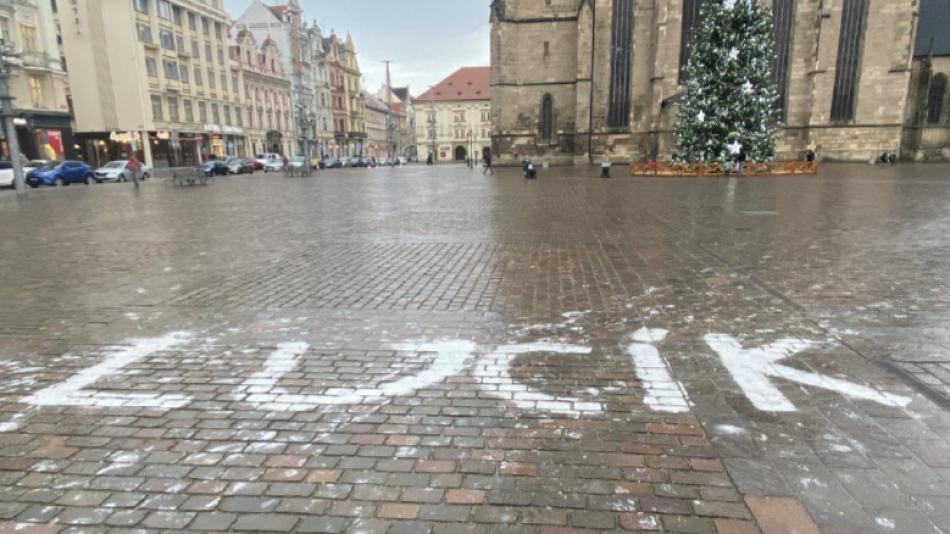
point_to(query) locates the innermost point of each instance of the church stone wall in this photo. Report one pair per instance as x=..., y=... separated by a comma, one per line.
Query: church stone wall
x=523, y=76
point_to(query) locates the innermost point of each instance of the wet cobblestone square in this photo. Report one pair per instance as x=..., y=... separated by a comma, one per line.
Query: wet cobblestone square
x=431, y=350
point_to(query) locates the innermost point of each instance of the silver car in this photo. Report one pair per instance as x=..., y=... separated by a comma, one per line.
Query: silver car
x=118, y=171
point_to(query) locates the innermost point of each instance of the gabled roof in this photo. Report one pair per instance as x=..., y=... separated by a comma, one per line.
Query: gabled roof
x=278, y=11
x=933, y=27
x=467, y=83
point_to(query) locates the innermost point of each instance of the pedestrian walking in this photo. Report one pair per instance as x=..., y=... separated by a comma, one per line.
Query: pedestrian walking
x=740, y=162
x=486, y=159
x=605, y=169
x=429, y=160
x=135, y=167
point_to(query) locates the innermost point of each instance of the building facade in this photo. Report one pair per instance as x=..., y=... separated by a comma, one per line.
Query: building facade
x=266, y=95
x=581, y=80
x=356, y=114
x=927, y=124
x=338, y=146
x=454, y=117
x=377, y=130
x=38, y=84
x=403, y=117
x=153, y=77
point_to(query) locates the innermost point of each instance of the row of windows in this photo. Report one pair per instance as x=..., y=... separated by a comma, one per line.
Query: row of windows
x=168, y=11
x=257, y=117
x=176, y=42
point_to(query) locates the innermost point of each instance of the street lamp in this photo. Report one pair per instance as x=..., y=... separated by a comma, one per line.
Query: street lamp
x=9, y=58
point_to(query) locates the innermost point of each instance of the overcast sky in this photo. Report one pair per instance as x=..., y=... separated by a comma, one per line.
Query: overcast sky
x=426, y=39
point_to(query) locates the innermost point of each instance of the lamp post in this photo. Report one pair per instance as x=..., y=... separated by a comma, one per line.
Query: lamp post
x=9, y=58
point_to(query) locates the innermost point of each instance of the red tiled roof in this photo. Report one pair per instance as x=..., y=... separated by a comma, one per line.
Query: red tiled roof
x=278, y=11
x=467, y=83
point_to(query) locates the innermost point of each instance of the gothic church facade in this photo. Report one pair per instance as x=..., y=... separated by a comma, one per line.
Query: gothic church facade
x=575, y=81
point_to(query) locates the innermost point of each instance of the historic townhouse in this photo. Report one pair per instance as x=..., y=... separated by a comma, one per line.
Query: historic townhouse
x=266, y=95
x=339, y=145
x=153, y=77
x=38, y=86
x=578, y=80
x=356, y=115
x=455, y=116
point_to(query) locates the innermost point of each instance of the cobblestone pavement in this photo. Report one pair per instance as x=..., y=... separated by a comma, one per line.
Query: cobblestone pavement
x=430, y=350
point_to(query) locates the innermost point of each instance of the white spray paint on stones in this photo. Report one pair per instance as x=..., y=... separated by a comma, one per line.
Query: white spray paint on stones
x=449, y=359
x=499, y=381
x=752, y=369
x=662, y=393
x=72, y=393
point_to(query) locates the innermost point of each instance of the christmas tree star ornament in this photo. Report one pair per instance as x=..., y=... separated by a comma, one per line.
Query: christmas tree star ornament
x=734, y=147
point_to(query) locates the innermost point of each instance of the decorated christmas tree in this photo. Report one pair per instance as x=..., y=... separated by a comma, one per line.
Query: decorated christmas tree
x=730, y=93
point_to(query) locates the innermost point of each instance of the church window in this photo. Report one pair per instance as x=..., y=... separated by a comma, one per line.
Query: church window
x=546, y=123
x=691, y=19
x=618, y=113
x=783, y=12
x=935, y=97
x=850, y=42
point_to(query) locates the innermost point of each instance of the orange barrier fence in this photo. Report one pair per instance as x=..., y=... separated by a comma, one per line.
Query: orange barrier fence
x=678, y=168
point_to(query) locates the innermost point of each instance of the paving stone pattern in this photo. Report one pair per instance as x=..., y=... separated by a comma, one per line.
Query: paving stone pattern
x=359, y=269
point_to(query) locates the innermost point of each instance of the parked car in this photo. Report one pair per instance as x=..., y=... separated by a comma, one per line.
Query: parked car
x=270, y=156
x=239, y=166
x=297, y=162
x=214, y=167
x=118, y=171
x=330, y=163
x=6, y=174
x=57, y=173
x=6, y=171
x=274, y=165
x=346, y=162
x=257, y=165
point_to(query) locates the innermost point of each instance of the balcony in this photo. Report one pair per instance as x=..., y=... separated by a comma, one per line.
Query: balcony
x=39, y=61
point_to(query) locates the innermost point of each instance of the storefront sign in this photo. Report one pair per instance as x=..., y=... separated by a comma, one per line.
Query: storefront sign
x=162, y=136
x=17, y=121
x=125, y=137
x=212, y=128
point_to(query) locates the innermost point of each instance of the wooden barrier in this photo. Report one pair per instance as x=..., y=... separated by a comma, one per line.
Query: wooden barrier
x=679, y=168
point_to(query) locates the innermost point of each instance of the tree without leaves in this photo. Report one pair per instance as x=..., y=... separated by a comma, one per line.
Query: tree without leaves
x=730, y=92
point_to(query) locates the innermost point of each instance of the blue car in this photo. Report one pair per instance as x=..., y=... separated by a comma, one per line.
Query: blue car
x=57, y=173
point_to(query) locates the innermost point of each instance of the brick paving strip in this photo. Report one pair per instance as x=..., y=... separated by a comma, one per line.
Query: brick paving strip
x=290, y=407
x=435, y=461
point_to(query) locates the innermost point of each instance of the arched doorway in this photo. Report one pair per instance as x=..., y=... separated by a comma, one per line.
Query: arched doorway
x=460, y=153
x=275, y=141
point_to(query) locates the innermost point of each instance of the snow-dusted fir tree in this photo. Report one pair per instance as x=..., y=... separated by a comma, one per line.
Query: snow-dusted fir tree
x=729, y=86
